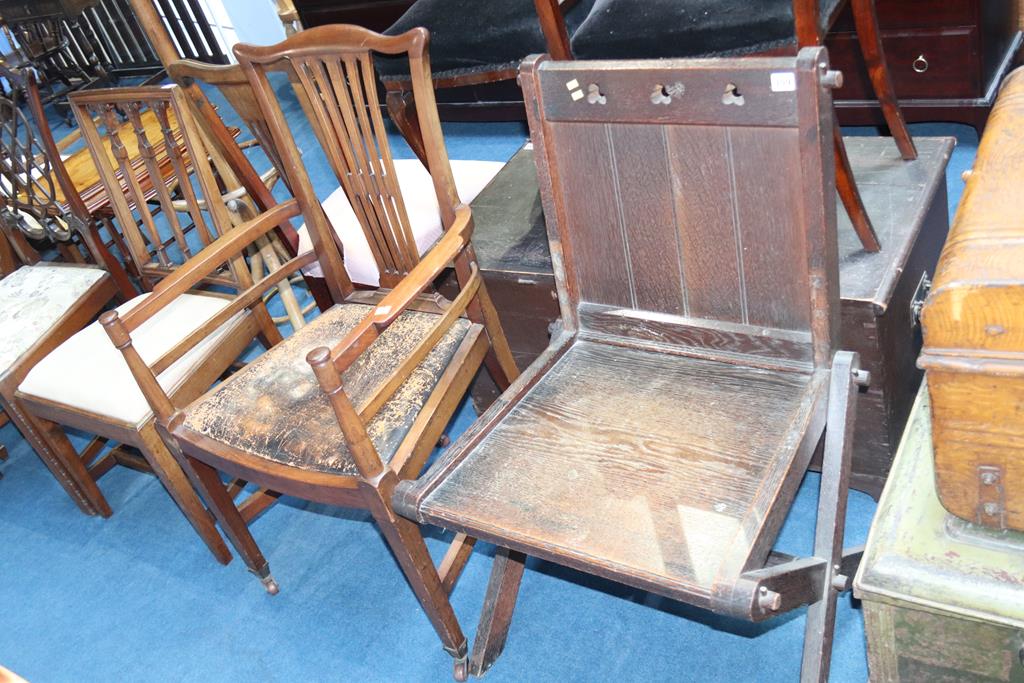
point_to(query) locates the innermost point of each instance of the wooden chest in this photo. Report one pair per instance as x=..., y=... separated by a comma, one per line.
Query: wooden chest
x=907, y=201
x=943, y=598
x=974, y=332
x=947, y=58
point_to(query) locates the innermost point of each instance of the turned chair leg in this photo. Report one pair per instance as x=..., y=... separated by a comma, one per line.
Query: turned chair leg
x=496, y=615
x=406, y=542
x=850, y=195
x=499, y=360
x=208, y=481
x=402, y=110
x=831, y=520
x=177, y=484
x=870, y=38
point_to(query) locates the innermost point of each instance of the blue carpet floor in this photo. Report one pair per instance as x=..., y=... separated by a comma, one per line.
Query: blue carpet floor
x=138, y=598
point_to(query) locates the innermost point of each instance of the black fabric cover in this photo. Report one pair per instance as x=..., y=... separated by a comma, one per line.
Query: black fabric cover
x=654, y=29
x=471, y=36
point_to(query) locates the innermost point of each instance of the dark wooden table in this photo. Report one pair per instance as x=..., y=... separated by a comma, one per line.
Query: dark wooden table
x=907, y=203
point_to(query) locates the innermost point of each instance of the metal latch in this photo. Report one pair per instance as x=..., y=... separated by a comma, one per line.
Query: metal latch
x=991, y=497
x=917, y=300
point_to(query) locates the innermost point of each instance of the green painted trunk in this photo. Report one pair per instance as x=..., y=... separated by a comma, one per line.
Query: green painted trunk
x=943, y=599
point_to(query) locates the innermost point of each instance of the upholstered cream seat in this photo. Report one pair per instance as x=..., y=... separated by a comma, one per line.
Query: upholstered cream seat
x=88, y=373
x=33, y=299
x=420, y=198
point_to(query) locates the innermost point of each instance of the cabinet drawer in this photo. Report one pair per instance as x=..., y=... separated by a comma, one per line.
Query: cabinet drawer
x=924, y=64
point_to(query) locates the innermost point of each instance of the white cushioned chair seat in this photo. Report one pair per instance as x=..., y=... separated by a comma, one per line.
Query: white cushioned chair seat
x=88, y=373
x=33, y=299
x=417, y=189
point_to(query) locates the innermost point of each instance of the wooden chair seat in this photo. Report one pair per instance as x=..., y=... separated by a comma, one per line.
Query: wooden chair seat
x=105, y=385
x=659, y=487
x=35, y=298
x=275, y=409
x=417, y=188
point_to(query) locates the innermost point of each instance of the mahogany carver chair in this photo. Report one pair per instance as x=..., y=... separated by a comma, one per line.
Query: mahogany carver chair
x=661, y=438
x=473, y=43
x=203, y=311
x=357, y=400
x=667, y=29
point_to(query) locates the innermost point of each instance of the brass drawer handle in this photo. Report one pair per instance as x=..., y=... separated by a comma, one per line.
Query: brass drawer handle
x=920, y=64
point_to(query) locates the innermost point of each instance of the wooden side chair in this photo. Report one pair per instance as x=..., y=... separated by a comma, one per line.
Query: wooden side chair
x=671, y=29
x=472, y=43
x=661, y=438
x=203, y=312
x=41, y=305
x=355, y=401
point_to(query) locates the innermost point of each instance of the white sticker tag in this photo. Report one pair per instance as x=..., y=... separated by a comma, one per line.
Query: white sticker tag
x=577, y=96
x=572, y=85
x=783, y=81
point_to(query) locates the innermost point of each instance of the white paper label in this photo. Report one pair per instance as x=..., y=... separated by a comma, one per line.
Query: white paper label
x=783, y=81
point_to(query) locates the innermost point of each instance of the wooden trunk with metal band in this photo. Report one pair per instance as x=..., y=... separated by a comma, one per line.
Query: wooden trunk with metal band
x=942, y=596
x=973, y=325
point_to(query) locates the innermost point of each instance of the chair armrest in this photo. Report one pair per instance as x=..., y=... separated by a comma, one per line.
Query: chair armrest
x=398, y=300
x=200, y=266
x=551, y=14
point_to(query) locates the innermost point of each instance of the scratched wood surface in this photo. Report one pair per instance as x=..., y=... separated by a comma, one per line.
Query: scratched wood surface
x=659, y=482
x=275, y=409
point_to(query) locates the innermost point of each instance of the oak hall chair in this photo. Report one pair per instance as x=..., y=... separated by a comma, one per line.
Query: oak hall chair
x=355, y=401
x=667, y=29
x=472, y=43
x=169, y=345
x=661, y=438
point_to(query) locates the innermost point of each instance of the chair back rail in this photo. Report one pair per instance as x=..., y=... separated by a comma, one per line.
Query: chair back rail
x=696, y=247
x=215, y=259
x=332, y=67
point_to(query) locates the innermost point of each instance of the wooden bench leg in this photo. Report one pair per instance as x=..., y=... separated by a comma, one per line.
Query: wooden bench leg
x=499, y=604
x=870, y=38
x=831, y=524
x=850, y=195
x=171, y=475
x=406, y=542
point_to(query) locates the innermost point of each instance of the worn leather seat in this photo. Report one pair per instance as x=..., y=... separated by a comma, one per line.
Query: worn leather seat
x=275, y=409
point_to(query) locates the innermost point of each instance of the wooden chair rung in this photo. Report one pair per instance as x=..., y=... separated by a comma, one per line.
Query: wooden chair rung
x=257, y=503
x=454, y=561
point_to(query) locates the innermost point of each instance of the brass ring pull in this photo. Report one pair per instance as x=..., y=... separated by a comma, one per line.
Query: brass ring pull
x=920, y=64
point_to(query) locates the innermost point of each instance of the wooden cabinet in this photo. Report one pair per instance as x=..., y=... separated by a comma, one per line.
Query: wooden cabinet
x=947, y=58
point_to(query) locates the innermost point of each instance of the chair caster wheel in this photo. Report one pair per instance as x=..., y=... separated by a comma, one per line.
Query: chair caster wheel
x=461, y=670
x=270, y=585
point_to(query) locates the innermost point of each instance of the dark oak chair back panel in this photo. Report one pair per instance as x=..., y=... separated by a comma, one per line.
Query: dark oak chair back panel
x=337, y=85
x=669, y=228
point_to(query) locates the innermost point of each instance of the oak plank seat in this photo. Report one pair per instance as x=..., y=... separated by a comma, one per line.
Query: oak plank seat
x=660, y=439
